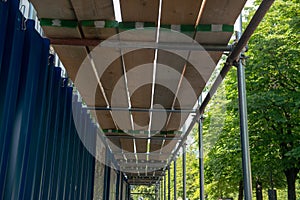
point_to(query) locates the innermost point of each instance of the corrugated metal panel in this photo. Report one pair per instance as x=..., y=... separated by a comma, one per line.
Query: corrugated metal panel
x=42, y=156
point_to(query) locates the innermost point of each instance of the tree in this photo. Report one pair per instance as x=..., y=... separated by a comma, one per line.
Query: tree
x=273, y=71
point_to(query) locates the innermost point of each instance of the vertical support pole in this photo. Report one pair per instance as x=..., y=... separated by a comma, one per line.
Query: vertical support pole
x=107, y=176
x=184, y=171
x=129, y=191
x=161, y=190
x=157, y=191
x=244, y=124
x=122, y=188
x=169, y=185
x=165, y=197
x=118, y=185
x=175, y=189
x=201, y=163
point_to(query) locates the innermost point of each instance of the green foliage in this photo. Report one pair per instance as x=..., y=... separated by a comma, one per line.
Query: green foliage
x=273, y=80
x=273, y=71
x=144, y=192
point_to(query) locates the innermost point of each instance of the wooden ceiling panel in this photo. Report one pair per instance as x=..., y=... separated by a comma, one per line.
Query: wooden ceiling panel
x=139, y=10
x=221, y=11
x=128, y=146
x=54, y=9
x=180, y=12
x=89, y=10
x=141, y=145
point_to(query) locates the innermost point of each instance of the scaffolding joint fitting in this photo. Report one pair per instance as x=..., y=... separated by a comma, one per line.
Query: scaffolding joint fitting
x=201, y=119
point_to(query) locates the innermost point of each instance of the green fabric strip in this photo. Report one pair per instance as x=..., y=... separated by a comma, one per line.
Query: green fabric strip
x=187, y=28
x=204, y=27
x=127, y=25
x=228, y=28
x=183, y=28
x=208, y=28
x=131, y=25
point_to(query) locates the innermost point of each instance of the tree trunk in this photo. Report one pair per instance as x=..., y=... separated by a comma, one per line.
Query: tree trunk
x=259, y=195
x=241, y=189
x=291, y=176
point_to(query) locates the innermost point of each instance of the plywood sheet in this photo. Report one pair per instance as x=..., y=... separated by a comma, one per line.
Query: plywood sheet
x=169, y=146
x=61, y=32
x=141, y=145
x=71, y=57
x=128, y=146
x=139, y=71
x=115, y=145
x=54, y=9
x=213, y=38
x=221, y=12
x=110, y=73
x=139, y=10
x=180, y=12
x=98, y=33
x=89, y=10
x=174, y=12
x=169, y=69
x=155, y=146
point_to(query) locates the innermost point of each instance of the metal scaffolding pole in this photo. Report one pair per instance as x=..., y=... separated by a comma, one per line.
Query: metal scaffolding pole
x=161, y=190
x=184, y=171
x=140, y=44
x=244, y=124
x=201, y=164
x=165, y=196
x=175, y=189
x=169, y=185
x=157, y=191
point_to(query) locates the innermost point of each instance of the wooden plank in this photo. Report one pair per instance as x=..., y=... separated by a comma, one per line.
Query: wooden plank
x=112, y=79
x=213, y=38
x=169, y=146
x=71, y=57
x=89, y=10
x=174, y=12
x=180, y=12
x=139, y=10
x=54, y=9
x=141, y=145
x=155, y=146
x=127, y=145
x=221, y=12
x=114, y=144
x=61, y=32
x=98, y=33
x=167, y=80
x=140, y=83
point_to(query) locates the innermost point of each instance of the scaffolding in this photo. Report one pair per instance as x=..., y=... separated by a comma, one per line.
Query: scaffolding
x=49, y=132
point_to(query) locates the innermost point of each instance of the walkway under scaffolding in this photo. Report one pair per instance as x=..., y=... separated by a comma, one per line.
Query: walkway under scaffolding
x=68, y=133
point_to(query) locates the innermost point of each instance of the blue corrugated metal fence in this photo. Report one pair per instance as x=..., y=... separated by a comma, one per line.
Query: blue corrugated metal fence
x=41, y=154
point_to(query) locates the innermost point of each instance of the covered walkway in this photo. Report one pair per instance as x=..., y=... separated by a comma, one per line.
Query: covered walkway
x=134, y=85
